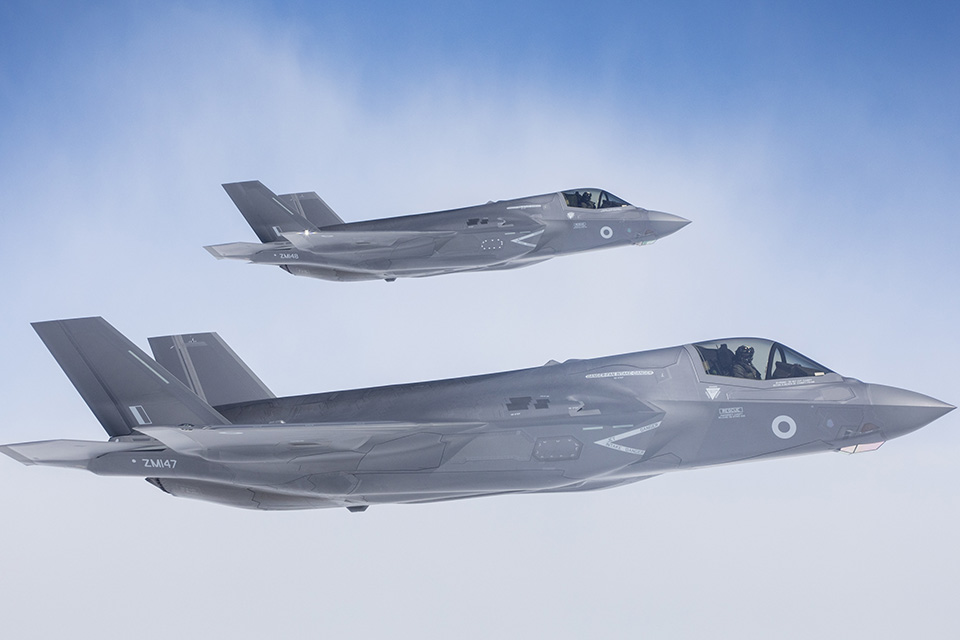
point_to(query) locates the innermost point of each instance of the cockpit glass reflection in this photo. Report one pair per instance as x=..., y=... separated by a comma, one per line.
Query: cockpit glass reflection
x=755, y=359
x=592, y=199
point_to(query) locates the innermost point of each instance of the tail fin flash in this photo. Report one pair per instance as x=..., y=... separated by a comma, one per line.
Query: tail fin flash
x=312, y=207
x=124, y=387
x=209, y=368
x=264, y=211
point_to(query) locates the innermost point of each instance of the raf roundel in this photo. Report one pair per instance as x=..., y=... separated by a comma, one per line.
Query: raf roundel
x=606, y=233
x=784, y=427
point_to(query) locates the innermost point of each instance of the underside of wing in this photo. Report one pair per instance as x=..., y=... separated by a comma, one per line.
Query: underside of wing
x=361, y=240
x=284, y=442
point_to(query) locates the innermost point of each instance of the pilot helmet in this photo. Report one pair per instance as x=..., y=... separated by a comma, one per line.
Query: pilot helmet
x=744, y=353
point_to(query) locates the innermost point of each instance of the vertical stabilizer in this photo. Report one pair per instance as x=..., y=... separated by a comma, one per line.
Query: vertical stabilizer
x=312, y=207
x=209, y=367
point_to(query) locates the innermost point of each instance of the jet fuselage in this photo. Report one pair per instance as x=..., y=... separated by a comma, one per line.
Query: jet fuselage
x=498, y=235
x=572, y=426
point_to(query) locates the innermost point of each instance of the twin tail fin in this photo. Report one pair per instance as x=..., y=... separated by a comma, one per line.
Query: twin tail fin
x=123, y=386
x=271, y=215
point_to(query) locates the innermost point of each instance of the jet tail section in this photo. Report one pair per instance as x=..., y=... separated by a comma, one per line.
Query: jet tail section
x=124, y=387
x=266, y=213
x=209, y=368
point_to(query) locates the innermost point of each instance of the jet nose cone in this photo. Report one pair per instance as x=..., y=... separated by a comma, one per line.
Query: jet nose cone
x=899, y=411
x=893, y=396
x=663, y=224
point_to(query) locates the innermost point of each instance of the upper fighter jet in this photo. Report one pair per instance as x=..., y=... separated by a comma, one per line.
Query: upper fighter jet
x=302, y=235
x=196, y=422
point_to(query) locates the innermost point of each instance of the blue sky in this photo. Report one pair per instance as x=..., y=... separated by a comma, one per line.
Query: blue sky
x=818, y=79
x=815, y=147
x=707, y=60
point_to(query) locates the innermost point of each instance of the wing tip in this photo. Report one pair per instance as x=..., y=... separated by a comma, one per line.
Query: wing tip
x=16, y=455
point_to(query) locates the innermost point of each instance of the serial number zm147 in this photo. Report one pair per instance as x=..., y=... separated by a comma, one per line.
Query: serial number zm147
x=157, y=463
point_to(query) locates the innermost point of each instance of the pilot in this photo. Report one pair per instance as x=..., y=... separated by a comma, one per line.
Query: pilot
x=743, y=364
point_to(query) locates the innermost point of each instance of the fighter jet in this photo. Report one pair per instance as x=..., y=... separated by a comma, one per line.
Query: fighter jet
x=303, y=236
x=196, y=422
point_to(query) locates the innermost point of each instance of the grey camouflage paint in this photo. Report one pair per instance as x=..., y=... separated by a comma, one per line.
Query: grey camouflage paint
x=312, y=240
x=573, y=426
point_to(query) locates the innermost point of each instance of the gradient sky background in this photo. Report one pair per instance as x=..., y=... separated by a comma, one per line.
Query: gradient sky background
x=816, y=148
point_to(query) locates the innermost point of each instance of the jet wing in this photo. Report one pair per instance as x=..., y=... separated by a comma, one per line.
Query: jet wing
x=285, y=442
x=359, y=240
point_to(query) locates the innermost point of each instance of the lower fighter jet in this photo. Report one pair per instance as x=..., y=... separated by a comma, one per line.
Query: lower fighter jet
x=196, y=422
x=302, y=235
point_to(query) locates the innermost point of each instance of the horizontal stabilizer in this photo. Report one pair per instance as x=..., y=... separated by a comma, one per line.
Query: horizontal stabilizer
x=209, y=367
x=68, y=453
x=235, y=250
x=359, y=240
x=312, y=207
x=123, y=386
x=264, y=211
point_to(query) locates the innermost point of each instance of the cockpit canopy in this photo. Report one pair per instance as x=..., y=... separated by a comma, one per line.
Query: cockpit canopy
x=593, y=199
x=755, y=359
